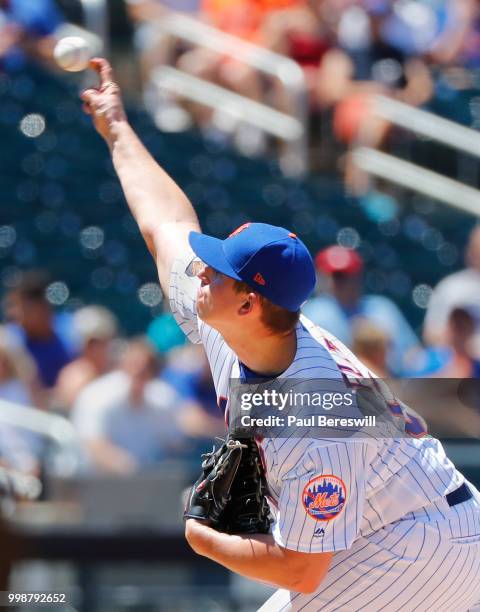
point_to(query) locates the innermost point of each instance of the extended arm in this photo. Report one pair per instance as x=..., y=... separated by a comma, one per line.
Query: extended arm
x=163, y=212
x=260, y=558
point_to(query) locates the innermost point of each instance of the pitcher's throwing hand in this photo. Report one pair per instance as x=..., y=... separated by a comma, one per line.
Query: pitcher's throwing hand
x=104, y=103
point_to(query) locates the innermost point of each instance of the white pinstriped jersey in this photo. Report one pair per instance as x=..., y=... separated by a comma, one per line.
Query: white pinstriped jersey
x=379, y=481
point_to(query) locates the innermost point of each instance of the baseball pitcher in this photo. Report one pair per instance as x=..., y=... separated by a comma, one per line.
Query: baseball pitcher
x=352, y=523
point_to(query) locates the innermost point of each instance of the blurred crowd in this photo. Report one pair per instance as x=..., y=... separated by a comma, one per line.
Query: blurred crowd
x=378, y=332
x=349, y=50
x=136, y=402
x=133, y=401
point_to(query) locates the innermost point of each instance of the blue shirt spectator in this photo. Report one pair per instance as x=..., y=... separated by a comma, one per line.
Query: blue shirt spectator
x=34, y=326
x=23, y=20
x=194, y=386
x=457, y=357
x=200, y=415
x=50, y=355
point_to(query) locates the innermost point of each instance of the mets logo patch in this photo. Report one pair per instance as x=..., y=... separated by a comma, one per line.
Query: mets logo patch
x=324, y=497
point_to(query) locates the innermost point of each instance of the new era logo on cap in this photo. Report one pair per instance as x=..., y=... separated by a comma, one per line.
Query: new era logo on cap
x=282, y=258
x=239, y=229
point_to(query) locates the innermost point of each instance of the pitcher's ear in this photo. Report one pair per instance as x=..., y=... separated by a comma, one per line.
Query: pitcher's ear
x=251, y=299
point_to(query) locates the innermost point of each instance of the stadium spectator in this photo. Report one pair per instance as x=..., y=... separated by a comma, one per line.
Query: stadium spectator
x=17, y=371
x=458, y=44
x=127, y=419
x=370, y=344
x=95, y=326
x=164, y=333
x=27, y=30
x=200, y=417
x=34, y=326
x=458, y=290
x=371, y=58
x=19, y=448
x=343, y=304
x=304, y=32
x=156, y=48
x=244, y=19
x=456, y=357
x=460, y=361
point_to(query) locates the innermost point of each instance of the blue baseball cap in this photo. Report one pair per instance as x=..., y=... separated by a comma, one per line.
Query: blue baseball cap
x=272, y=260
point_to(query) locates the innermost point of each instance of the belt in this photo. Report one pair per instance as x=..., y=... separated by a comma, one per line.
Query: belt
x=459, y=496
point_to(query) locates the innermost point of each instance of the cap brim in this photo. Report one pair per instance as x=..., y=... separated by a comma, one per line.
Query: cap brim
x=210, y=251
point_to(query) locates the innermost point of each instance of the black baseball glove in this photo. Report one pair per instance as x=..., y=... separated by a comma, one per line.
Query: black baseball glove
x=230, y=493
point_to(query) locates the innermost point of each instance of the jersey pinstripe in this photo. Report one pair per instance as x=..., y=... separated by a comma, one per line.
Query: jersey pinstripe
x=411, y=565
x=388, y=482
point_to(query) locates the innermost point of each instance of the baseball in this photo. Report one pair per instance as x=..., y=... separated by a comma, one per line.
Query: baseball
x=72, y=53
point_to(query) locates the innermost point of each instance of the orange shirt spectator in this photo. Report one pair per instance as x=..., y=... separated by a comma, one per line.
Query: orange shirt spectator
x=243, y=18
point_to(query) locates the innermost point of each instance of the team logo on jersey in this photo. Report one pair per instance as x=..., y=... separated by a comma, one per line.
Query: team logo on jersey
x=324, y=497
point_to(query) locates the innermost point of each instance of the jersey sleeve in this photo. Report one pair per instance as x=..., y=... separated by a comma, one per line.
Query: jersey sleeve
x=183, y=303
x=183, y=299
x=321, y=500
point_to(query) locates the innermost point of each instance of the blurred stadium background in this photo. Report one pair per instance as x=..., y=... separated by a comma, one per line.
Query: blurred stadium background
x=352, y=122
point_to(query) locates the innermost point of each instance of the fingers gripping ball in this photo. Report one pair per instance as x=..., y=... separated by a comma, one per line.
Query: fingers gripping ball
x=104, y=103
x=72, y=53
